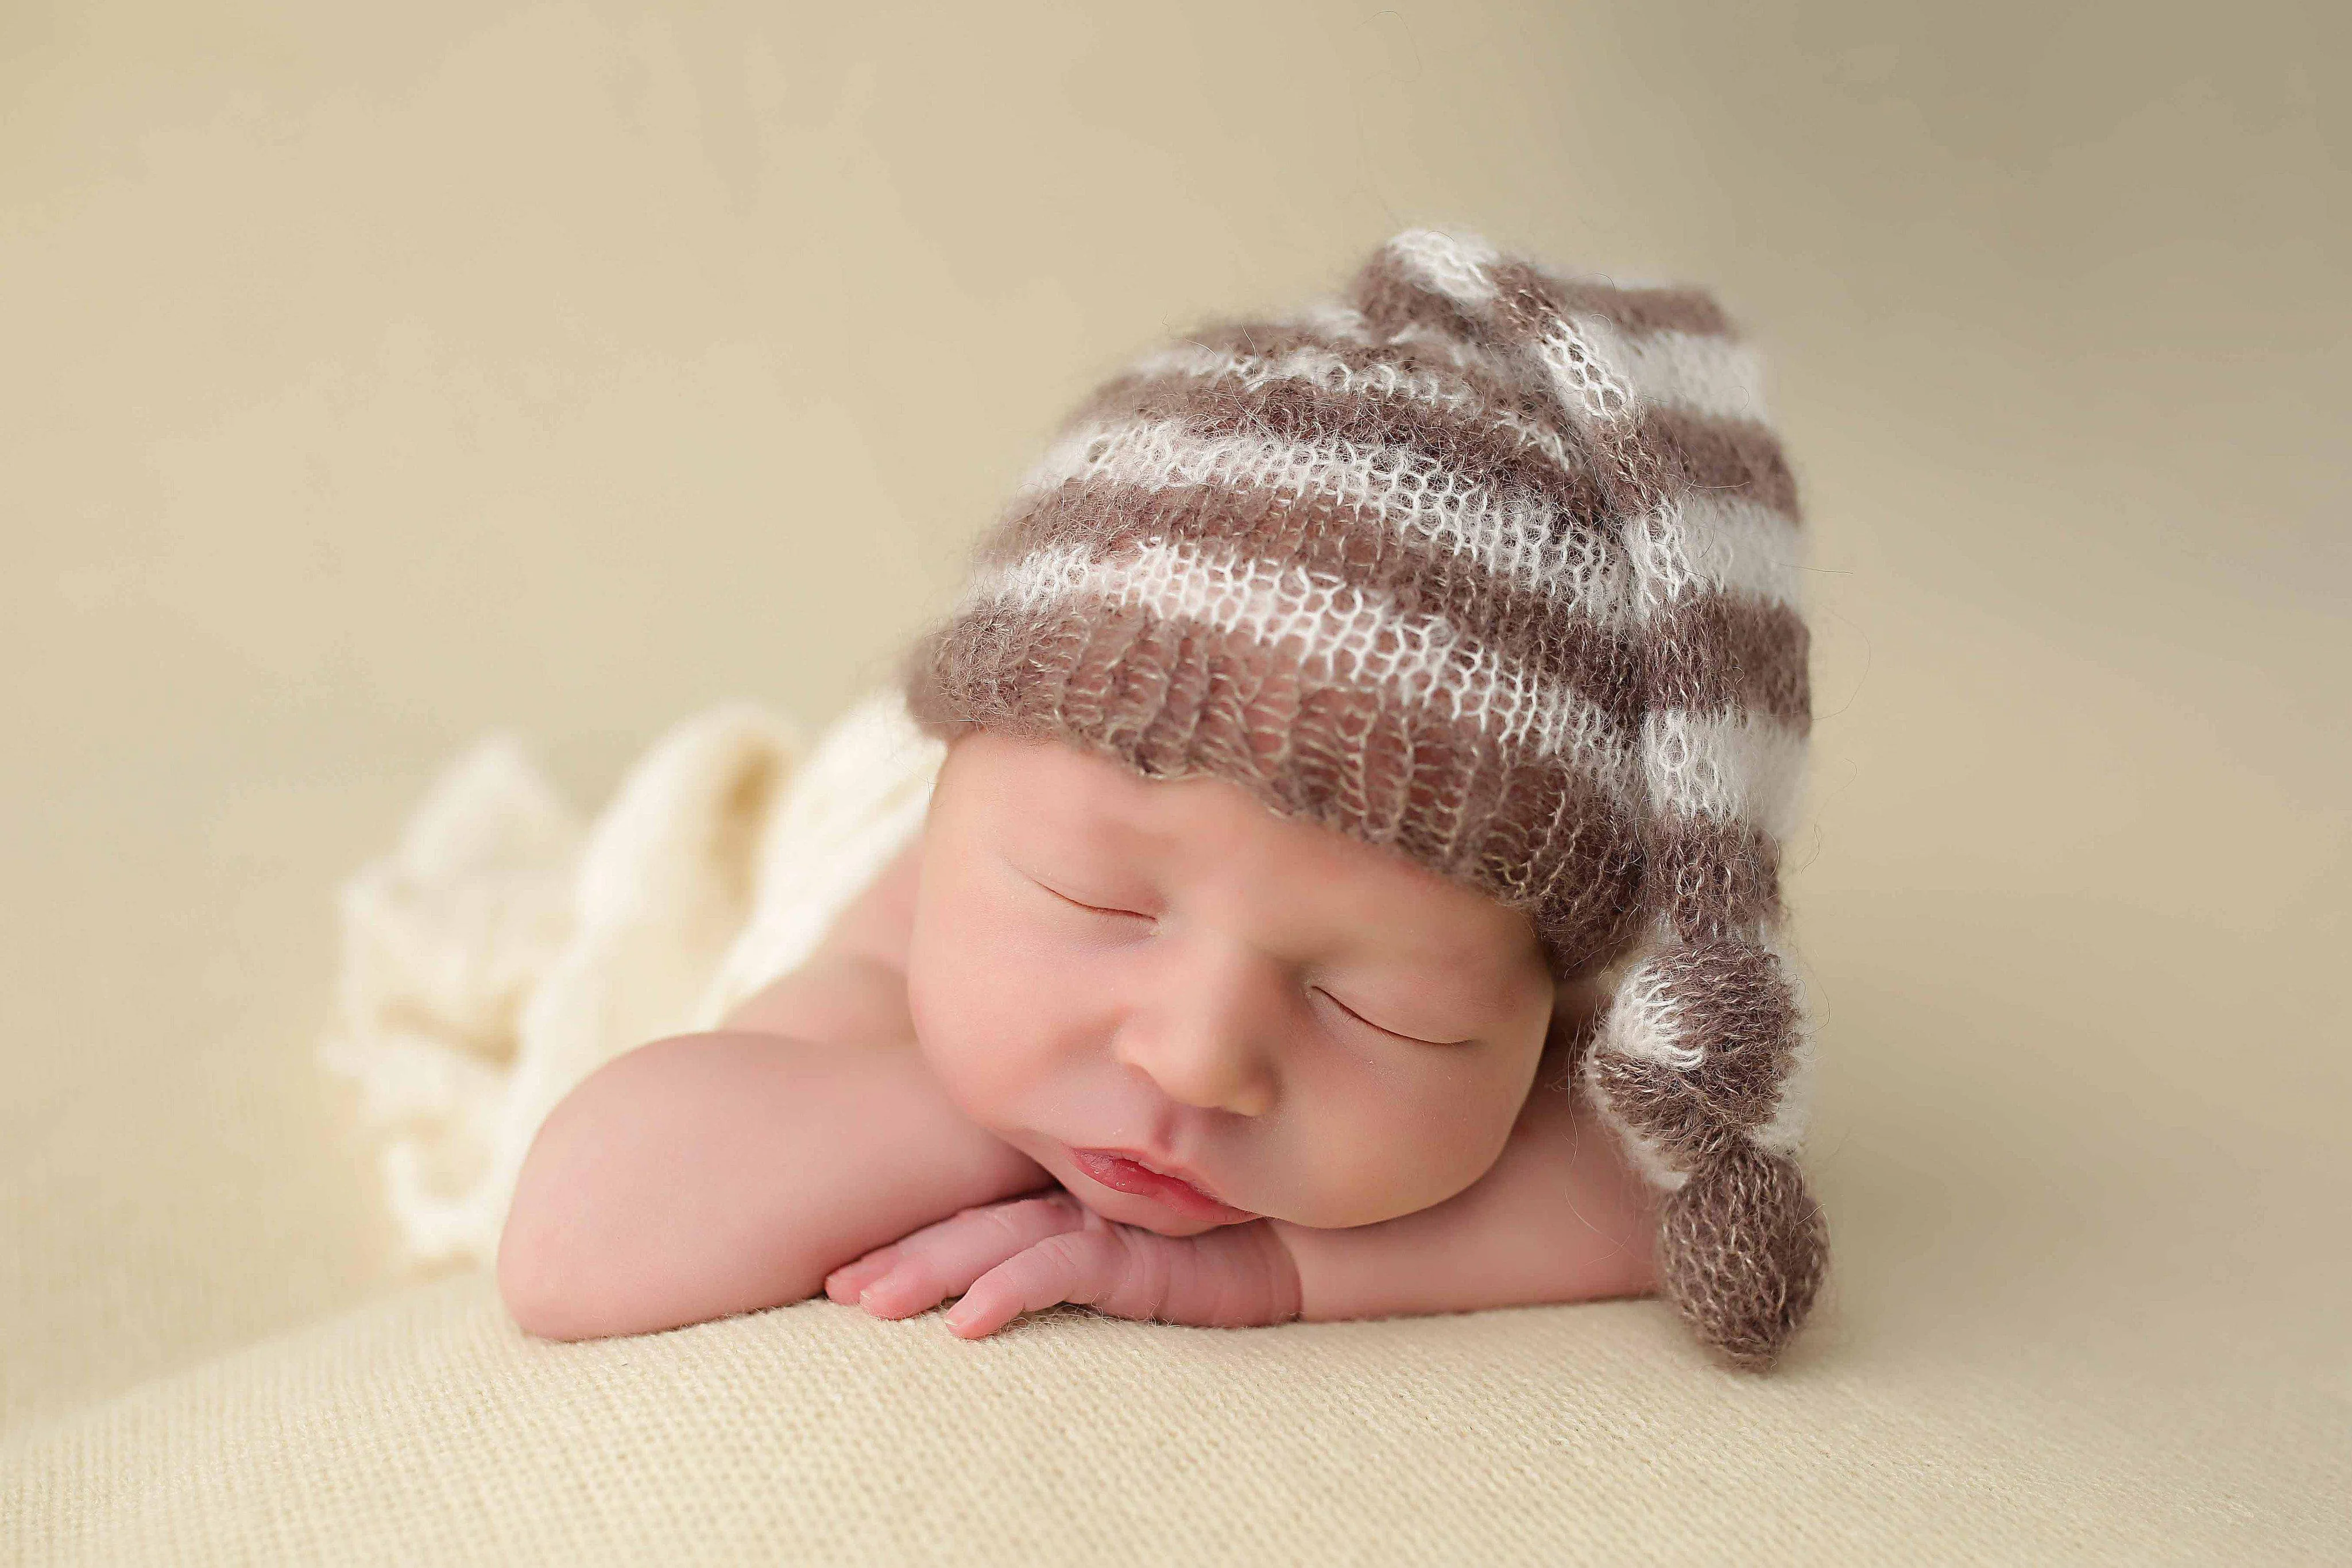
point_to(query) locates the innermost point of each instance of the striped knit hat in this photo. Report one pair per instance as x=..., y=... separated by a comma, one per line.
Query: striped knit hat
x=1497, y=566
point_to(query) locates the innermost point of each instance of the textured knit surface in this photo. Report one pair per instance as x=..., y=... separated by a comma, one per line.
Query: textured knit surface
x=426, y=1429
x=1494, y=566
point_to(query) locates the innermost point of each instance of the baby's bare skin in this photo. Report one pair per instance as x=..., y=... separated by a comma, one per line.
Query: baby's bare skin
x=1342, y=1053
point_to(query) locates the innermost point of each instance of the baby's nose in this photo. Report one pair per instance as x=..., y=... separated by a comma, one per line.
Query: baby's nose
x=1213, y=1042
x=1212, y=1075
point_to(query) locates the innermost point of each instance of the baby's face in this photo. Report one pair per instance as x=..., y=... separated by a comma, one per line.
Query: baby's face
x=1298, y=1025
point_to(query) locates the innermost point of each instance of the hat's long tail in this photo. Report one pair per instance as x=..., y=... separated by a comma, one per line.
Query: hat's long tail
x=1703, y=1061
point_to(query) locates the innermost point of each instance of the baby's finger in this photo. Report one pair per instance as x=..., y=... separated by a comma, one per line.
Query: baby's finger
x=943, y=1260
x=1091, y=1265
x=845, y=1283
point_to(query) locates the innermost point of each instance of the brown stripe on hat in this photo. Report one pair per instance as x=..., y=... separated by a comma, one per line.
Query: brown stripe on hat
x=1588, y=854
x=1530, y=289
x=1156, y=692
x=1721, y=651
x=1393, y=294
x=1712, y=878
x=1471, y=443
x=1456, y=784
x=1599, y=661
x=1708, y=453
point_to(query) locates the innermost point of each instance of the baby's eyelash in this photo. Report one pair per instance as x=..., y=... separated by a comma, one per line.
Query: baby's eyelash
x=1092, y=908
x=1392, y=1034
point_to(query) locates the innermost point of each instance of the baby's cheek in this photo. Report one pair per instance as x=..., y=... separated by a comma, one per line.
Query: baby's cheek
x=975, y=1022
x=1388, y=1157
x=952, y=1033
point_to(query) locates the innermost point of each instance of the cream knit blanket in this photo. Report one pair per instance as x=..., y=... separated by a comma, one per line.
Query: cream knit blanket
x=504, y=949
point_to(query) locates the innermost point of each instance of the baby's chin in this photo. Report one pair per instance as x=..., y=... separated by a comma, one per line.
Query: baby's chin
x=1142, y=1213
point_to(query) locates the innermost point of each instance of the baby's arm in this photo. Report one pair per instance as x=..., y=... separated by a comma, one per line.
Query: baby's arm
x=713, y=1174
x=1558, y=1218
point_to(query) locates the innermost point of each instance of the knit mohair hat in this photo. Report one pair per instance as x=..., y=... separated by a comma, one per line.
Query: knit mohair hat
x=1494, y=566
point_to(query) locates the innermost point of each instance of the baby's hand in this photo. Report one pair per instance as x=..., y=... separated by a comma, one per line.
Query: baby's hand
x=1006, y=1258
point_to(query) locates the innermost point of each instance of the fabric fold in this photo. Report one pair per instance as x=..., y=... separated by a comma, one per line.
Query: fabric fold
x=503, y=949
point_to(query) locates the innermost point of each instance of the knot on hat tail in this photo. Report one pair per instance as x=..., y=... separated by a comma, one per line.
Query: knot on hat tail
x=1742, y=1249
x=1703, y=1068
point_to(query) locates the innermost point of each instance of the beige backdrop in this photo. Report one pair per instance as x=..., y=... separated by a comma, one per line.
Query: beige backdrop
x=374, y=376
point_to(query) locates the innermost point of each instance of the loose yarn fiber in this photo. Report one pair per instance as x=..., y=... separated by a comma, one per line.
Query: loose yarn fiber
x=1497, y=566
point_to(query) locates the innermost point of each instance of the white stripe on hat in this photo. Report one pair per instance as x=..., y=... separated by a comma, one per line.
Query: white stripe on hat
x=1741, y=768
x=1701, y=371
x=1711, y=540
x=1454, y=265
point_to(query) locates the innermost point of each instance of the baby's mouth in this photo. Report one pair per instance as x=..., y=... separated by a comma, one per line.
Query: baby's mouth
x=1122, y=1172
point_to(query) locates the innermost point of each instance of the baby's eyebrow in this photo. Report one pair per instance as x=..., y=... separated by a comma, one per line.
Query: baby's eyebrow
x=1468, y=984
x=1117, y=819
x=1092, y=827
x=1476, y=1001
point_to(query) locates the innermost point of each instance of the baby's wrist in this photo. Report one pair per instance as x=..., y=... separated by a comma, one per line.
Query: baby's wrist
x=1285, y=1286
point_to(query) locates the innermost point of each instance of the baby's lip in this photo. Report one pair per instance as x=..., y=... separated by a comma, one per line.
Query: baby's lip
x=1147, y=1175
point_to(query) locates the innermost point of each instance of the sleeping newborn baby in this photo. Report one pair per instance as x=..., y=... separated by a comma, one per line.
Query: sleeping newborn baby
x=1252, y=1069
x=1352, y=888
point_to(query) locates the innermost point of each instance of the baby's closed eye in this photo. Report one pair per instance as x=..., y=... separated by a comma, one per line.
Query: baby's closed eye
x=1361, y=1016
x=1091, y=905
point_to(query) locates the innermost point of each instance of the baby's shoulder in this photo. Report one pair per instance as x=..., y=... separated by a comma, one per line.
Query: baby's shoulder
x=878, y=922
x=853, y=988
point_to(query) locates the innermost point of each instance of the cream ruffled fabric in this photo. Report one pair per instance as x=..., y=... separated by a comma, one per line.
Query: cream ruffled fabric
x=504, y=949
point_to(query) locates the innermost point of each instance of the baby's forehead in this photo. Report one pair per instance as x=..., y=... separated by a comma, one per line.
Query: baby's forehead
x=1206, y=830
x=1189, y=813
